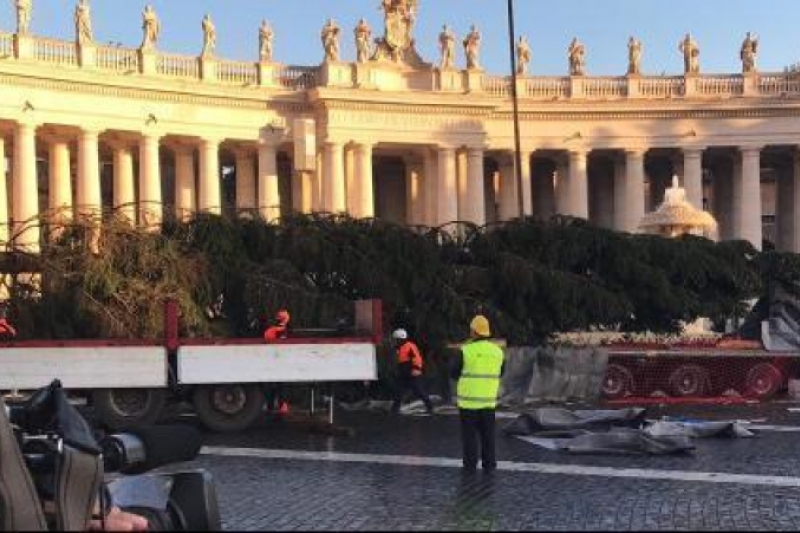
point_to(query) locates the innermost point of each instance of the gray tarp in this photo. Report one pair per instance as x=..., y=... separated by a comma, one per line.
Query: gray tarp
x=623, y=431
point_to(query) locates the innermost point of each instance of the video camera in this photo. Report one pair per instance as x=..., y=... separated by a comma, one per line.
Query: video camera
x=49, y=448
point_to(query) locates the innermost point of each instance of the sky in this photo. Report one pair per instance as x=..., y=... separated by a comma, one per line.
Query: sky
x=603, y=26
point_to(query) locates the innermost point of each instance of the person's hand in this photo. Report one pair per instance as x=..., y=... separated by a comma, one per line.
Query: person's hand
x=119, y=520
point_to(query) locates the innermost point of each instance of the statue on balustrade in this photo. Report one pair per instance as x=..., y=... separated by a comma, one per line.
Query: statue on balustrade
x=397, y=43
x=577, y=58
x=209, y=37
x=634, y=56
x=24, y=8
x=83, y=23
x=363, y=34
x=523, y=56
x=691, y=55
x=151, y=27
x=749, y=53
x=472, y=49
x=447, y=47
x=266, y=38
x=330, y=40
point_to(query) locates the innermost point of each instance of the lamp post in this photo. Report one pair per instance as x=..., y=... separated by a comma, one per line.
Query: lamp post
x=512, y=37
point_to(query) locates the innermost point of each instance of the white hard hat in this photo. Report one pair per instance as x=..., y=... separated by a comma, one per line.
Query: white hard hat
x=400, y=334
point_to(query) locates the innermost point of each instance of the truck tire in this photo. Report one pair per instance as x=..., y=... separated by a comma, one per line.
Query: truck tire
x=228, y=408
x=121, y=409
x=617, y=383
x=689, y=380
x=763, y=381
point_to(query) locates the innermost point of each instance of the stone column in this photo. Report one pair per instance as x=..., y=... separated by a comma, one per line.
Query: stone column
x=461, y=184
x=364, y=186
x=245, y=182
x=124, y=183
x=527, y=183
x=562, y=186
x=447, y=187
x=269, y=195
x=784, y=208
x=796, y=203
x=88, y=198
x=4, y=218
x=475, y=194
x=509, y=207
x=693, y=176
x=185, y=188
x=634, y=207
x=150, y=203
x=350, y=179
x=620, y=182
x=748, y=197
x=25, y=190
x=578, y=185
x=60, y=200
x=210, y=200
x=333, y=185
x=415, y=191
x=429, y=161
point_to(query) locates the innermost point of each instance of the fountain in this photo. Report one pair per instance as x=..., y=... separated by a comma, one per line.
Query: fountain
x=677, y=216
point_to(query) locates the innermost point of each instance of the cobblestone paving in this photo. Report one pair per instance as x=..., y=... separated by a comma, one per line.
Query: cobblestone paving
x=285, y=495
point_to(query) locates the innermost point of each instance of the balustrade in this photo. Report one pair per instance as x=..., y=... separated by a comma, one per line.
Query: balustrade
x=661, y=87
x=547, y=88
x=497, y=86
x=779, y=84
x=117, y=59
x=55, y=51
x=297, y=78
x=178, y=66
x=605, y=87
x=719, y=85
x=239, y=72
x=6, y=44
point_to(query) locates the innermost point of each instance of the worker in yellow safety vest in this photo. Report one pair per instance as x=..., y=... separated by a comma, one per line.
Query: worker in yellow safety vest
x=478, y=372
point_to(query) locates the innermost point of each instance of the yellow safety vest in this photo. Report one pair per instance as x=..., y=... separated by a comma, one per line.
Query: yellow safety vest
x=479, y=384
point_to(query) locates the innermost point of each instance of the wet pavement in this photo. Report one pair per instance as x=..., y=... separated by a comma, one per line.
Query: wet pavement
x=402, y=473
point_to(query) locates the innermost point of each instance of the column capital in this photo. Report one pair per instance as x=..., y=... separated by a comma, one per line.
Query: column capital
x=636, y=151
x=693, y=151
x=750, y=149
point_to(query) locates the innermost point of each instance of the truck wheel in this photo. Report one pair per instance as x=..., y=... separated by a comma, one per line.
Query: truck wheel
x=228, y=408
x=617, y=383
x=689, y=380
x=763, y=381
x=128, y=408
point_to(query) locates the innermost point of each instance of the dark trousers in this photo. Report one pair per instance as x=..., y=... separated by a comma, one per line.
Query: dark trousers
x=413, y=383
x=477, y=428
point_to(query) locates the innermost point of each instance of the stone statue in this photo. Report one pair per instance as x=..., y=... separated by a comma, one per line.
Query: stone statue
x=265, y=39
x=634, y=56
x=577, y=59
x=749, y=53
x=24, y=8
x=447, y=47
x=363, y=35
x=83, y=23
x=151, y=27
x=330, y=40
x=523, y=56
x=397, y=43
x=691, y=55
x=209, y=37
x=472, y=48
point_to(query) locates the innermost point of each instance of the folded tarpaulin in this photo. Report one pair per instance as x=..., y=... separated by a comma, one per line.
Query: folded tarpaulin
x=552, y=418
x=617, y=441
x=698, y=429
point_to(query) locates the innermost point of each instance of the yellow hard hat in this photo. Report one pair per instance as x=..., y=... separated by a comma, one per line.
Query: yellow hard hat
x=480, y=326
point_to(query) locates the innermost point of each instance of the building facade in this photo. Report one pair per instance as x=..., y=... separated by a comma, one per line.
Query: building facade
x=86, y=127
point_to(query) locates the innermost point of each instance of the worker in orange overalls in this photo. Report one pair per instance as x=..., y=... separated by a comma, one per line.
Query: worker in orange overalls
x=280, y=329
x=410, y=365
x=276, y=403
